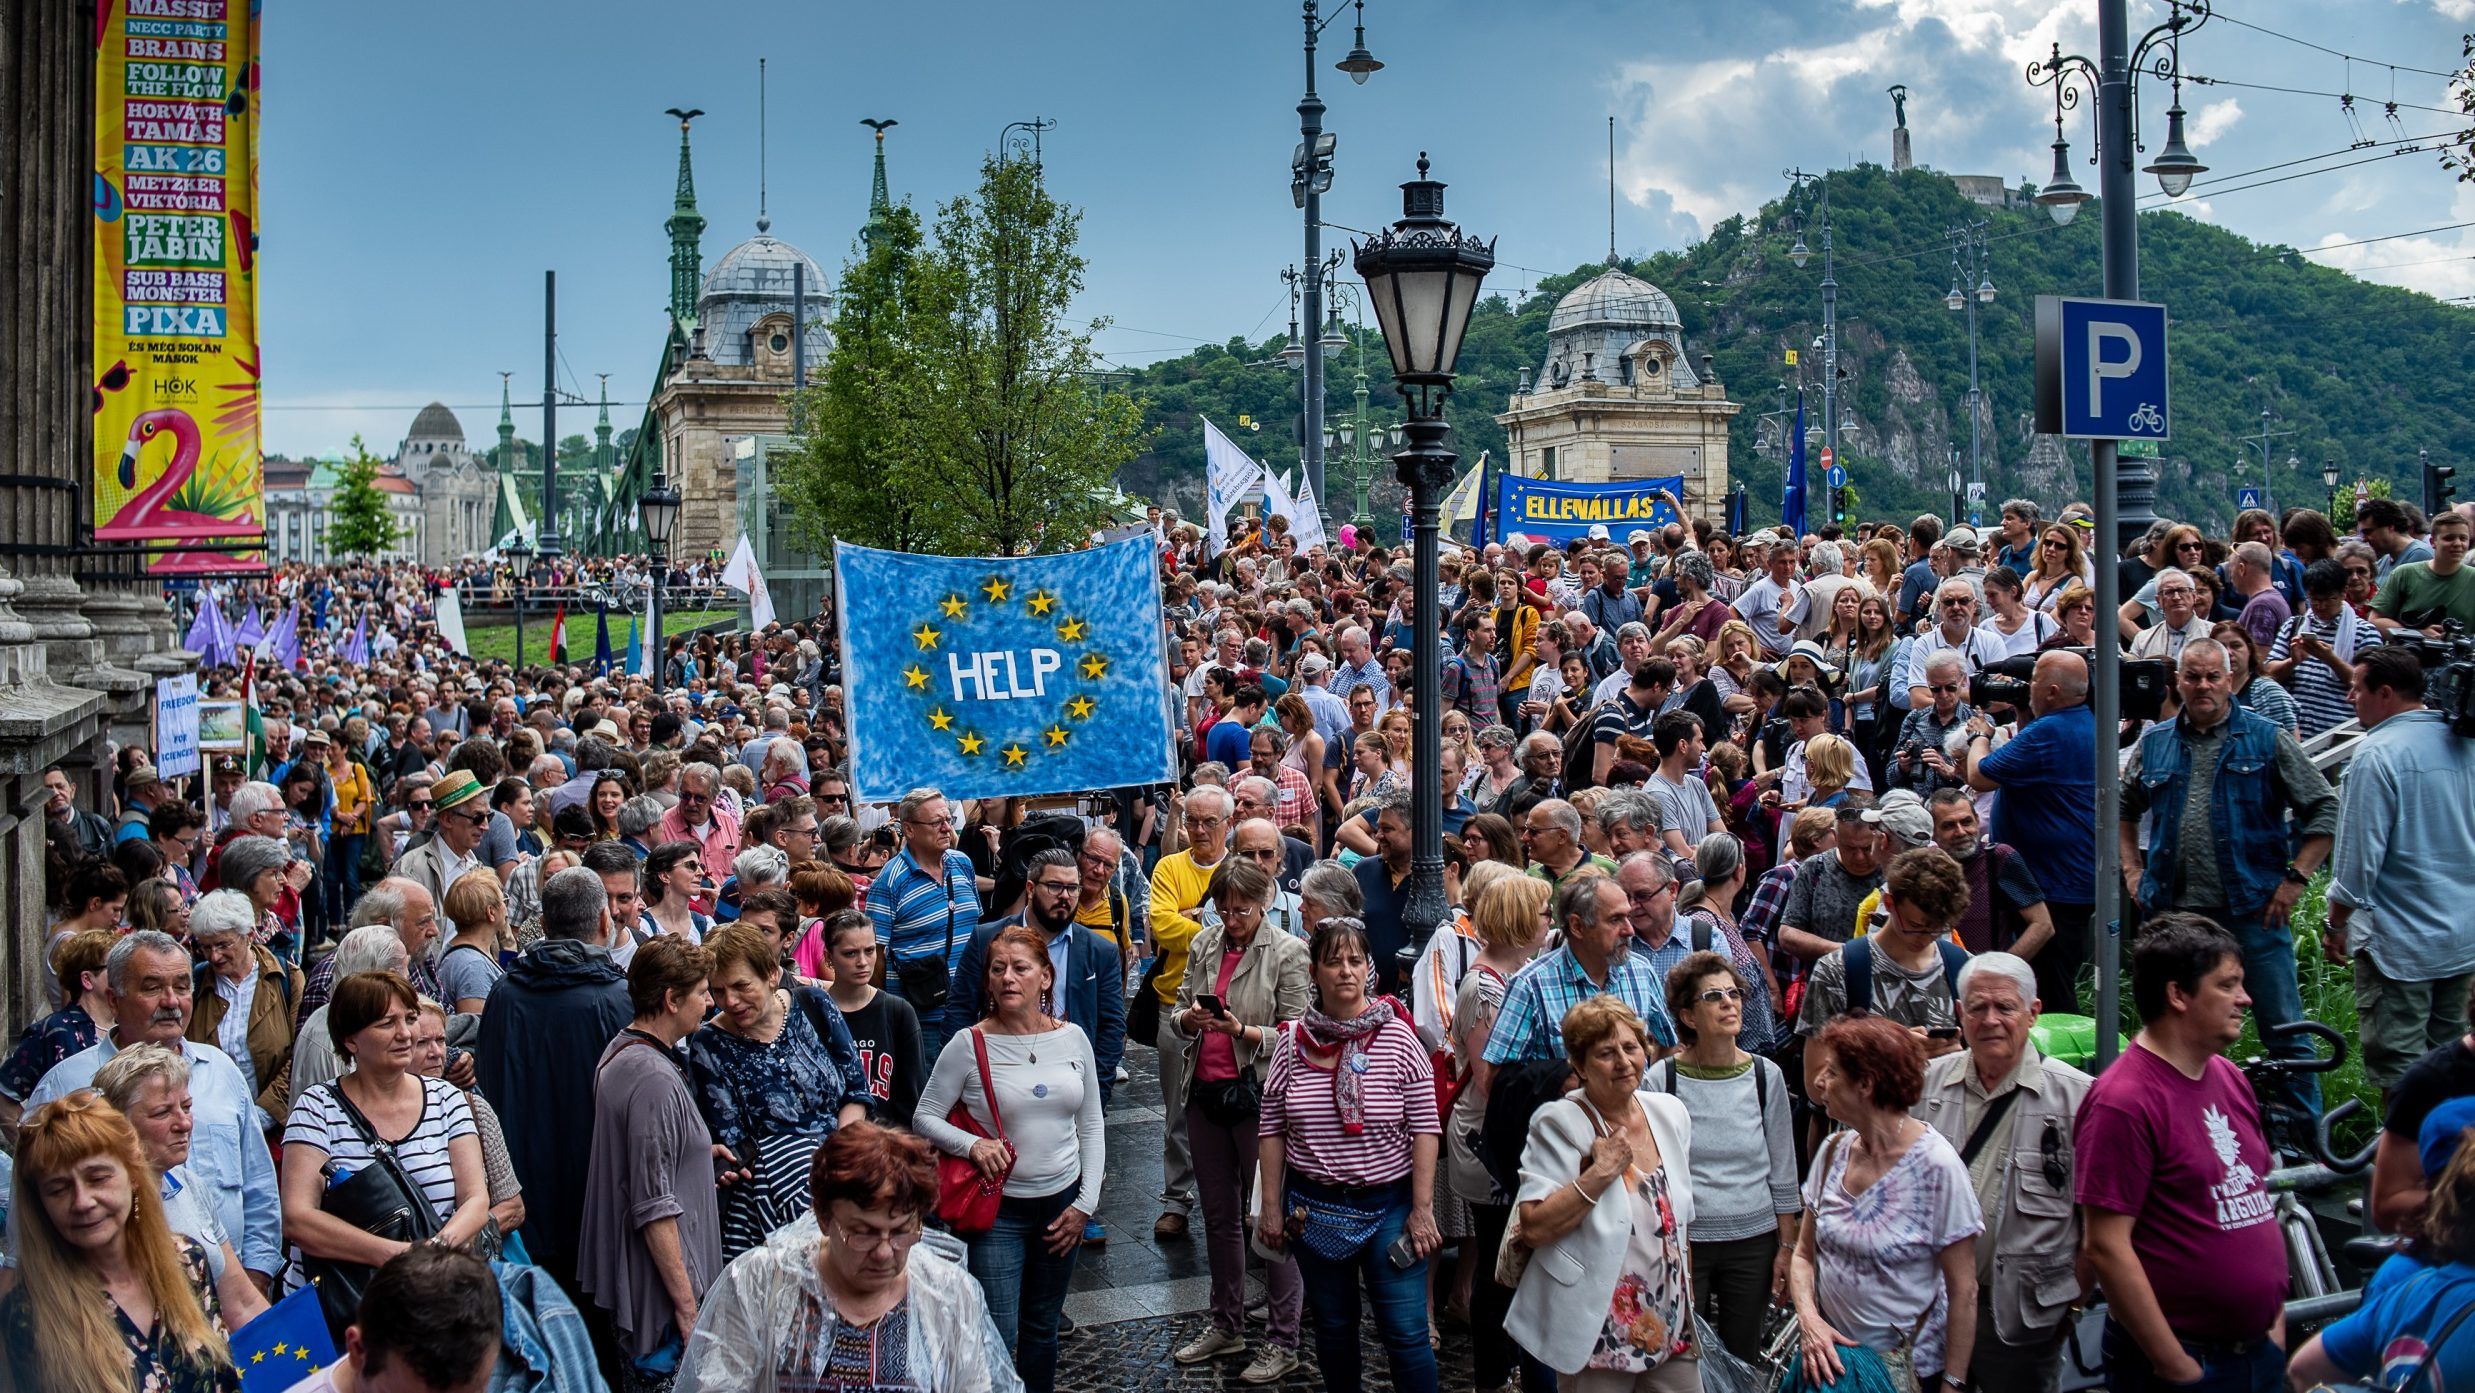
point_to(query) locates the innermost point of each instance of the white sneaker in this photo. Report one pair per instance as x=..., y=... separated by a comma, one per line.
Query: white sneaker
x=1272, y=1364
x=1211, y=1344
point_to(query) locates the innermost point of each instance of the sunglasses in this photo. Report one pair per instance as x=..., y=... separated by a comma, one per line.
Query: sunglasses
x=420, y=805
x=1714, y=995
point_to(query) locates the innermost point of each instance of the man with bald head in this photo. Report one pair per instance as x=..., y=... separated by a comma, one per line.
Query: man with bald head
x=2048, y=777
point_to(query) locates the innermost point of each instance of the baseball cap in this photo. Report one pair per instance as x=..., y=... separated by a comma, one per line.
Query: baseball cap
x=1314, y=665
x=1904, y=816
x=142, y=776
x=2443, y=1130
x=1962, y=539
x=1598, y=532
x=1636, y=537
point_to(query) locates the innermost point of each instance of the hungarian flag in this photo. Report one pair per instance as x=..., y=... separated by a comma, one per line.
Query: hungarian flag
x=558, y=637
x=253, y=753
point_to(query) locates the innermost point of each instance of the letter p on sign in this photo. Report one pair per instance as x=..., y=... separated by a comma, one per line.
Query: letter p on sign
x=2101, y=369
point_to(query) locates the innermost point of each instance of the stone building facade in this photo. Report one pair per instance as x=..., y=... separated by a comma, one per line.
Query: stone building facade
x=83, y=636
x=1618, y=399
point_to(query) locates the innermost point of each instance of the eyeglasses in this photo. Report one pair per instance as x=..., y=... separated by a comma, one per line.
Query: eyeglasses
x=1712, y=996
x=947, y=821
x=689, y=796
x=899, y=1240
x=1200, y=820
x=1944, y=687
x=1058, y=887
x=1957, y=602
x=807, y=831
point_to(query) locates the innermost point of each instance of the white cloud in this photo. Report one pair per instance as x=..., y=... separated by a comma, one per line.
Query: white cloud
x=2217, y=118
x=2442, y=265
x=2456, y=11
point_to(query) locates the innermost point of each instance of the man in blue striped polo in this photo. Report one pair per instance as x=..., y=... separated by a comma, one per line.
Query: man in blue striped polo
x=924, y=917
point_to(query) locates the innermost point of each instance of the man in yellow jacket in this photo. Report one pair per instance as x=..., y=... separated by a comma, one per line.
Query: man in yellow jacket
x=1179, y=884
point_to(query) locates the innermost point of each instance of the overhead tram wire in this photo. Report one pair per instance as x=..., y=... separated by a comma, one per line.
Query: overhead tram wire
x=2218, y=13
x=2198, y=80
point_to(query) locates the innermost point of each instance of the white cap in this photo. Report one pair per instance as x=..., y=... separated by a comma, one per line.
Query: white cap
x=1636, y=537
x=1598, y=532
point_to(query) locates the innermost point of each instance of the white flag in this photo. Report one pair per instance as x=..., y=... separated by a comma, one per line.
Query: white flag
x=741, y=575
x=1277, y=500
x=1306, y=524
x=1228, y=474
x=451, y=620
x=1461, y=505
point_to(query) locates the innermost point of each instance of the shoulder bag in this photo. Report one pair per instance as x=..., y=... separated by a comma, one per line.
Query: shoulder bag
x=1143, y=1012
x=379, y=1199
x=967, y=1197
x=927, y=981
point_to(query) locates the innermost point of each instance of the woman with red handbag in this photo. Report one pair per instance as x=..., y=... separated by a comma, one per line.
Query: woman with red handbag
x=1019, y=1096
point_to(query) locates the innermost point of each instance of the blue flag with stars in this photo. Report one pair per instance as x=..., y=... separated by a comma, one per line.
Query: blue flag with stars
x=1003, y=676
x=286, y=1344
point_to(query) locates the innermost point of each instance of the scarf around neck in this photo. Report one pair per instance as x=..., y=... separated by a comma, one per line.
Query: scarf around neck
x=1349, y=1071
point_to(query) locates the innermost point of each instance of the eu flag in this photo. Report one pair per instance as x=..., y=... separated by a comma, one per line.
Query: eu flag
x=1004, y=676
x=1792, y=500
x=284, y=1345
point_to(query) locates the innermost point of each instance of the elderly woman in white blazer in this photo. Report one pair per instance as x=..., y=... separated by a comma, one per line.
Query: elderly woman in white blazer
x=1605, y=1200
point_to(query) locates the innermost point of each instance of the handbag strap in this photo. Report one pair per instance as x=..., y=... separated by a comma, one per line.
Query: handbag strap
x=2432, y=1351
x=988, y=1086
x=383, y=1152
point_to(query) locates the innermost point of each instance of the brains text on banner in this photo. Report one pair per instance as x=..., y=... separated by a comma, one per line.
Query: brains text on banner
x=985, y=676
x=1546, y=510
x=175, y=295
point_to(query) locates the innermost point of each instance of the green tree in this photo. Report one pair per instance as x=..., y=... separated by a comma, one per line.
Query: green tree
x=358, y=520
x=968, y=416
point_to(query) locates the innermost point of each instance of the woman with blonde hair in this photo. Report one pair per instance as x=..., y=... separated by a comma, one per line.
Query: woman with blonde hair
x=477, y=906
x=2060, y=564
x=111, y=1299
x=1830, y=765
x=1880, y=564
x=1739, y=653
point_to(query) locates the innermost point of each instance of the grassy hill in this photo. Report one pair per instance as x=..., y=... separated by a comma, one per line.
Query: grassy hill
x=2362, y=373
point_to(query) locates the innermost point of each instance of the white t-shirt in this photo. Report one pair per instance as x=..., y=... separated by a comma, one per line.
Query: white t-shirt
x=1048, y=1093
x=1759, y=606
x=1880, y=1250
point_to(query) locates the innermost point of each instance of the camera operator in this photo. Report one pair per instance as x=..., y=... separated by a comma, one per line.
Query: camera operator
x=2249, y=775
x=2405, y=834
x=2047, y=775
x=2421, y=595
x=1923, y=760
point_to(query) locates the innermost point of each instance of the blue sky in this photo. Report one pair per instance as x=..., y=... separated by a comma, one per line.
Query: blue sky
x=422, y=165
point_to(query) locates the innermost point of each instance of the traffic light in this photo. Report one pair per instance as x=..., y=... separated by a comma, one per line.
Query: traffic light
x=2437, y=490
x=1839, y=504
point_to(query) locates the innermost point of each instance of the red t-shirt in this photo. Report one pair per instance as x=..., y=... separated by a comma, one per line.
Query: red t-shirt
x=1217, y=1059
x=2187, y=1157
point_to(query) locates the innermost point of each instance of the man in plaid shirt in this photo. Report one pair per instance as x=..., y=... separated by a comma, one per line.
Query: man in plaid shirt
x=1593, y=960
x=1813, y=831
x=1472, y=682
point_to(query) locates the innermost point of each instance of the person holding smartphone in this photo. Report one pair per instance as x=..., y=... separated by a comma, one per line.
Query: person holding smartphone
x=1242, y=986
x=1907, y=971
x=1348, y=1142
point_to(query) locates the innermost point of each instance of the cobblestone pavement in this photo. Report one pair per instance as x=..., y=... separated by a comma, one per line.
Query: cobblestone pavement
x=1136, y=1298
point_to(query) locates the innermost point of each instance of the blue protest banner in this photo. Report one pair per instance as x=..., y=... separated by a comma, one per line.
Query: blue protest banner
x=1004, y=676
x=1551, y=510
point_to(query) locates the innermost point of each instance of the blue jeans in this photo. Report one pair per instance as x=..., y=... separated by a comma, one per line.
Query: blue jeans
x=1025, y=1283
x=1399, y=1296
x=2257, y=1366
x=343, y=887
x=2292, y=1103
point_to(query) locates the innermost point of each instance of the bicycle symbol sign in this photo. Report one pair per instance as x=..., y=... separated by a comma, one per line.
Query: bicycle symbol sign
x=2101, y=369
x=2147, y=420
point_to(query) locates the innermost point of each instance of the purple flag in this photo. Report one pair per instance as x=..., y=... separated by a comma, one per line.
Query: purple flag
x=253, y=629
x=288, y=637
x=204, y=629
x=357, y=648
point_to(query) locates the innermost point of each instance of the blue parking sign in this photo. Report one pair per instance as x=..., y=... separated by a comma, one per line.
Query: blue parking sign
x=2101, y=369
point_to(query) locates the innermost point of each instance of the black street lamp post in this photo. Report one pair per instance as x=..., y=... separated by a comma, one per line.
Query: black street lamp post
x=520, y=560
x=2328, y=481
x=1422, y=278
x=660, y=506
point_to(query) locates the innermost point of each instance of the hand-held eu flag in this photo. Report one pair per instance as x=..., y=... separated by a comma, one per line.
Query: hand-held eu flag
x=1004, y=676
x=286, y=1344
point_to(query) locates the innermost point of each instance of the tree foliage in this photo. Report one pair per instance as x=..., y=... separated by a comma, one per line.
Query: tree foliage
x=358, y=520
x=960, y=412
x=2365, y=374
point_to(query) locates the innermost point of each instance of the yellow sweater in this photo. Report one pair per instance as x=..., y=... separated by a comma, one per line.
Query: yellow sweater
x=1178, y=887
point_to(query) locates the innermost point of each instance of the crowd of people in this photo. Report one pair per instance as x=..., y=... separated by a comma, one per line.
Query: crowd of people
x=567, y=1029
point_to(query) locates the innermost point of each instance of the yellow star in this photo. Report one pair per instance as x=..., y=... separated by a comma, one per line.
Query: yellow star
x=279, y=1350
x=1095, y=667
x=258, y=1358
x=915, y=677
x=1072, y=630
x=1056, y=736
x=954, y=606
x=939, y=719
x=1014, y=756
x=1080, y=708
x=1041, y=603
x=925, y=636
x=302, y=1354
x=970, y=743
x=996, y=590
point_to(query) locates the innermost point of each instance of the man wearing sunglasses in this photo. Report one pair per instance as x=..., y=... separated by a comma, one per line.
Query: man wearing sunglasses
x=461, y=815
x=2008, y=1109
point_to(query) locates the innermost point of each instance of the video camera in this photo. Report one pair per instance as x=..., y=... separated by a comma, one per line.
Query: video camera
x=2144, y=683
x=2448, y=672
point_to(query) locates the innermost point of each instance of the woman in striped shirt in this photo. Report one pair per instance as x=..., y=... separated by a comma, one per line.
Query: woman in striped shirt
x=1349, y=1137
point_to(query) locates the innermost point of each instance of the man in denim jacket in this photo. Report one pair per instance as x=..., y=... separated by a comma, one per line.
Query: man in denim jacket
x=2219, y=784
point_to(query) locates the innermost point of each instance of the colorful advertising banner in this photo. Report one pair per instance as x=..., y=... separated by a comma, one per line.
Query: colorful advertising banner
x=1004, y=676
x=176, y=294
x=1547, y=510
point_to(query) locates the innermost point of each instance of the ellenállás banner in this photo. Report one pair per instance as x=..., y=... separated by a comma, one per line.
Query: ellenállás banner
x=1548, y=510
x=176, y=293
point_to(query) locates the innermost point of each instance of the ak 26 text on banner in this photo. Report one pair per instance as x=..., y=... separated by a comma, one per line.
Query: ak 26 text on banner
x=175, y=247
x=1004, y=676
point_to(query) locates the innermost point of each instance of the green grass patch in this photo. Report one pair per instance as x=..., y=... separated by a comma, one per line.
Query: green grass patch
x=495, y=638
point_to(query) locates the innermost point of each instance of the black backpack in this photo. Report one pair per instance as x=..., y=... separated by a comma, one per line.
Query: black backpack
x=1581, y=749
x=1856, y=960
x=1517, y=1092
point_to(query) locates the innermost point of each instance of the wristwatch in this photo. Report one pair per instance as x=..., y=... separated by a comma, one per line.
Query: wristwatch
x=2297, y=875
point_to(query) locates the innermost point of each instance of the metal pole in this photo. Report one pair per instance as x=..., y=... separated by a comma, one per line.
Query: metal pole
x=519, y=623
x=1830, y=336
x=548, y=545
x=661, y=660
x=1976, y=433
x=1426, y=467
x=2125, y=501
x=1310, y=131
x=799, y=336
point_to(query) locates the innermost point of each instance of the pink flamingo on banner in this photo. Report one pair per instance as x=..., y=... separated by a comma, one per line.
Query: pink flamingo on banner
x=148, y=512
